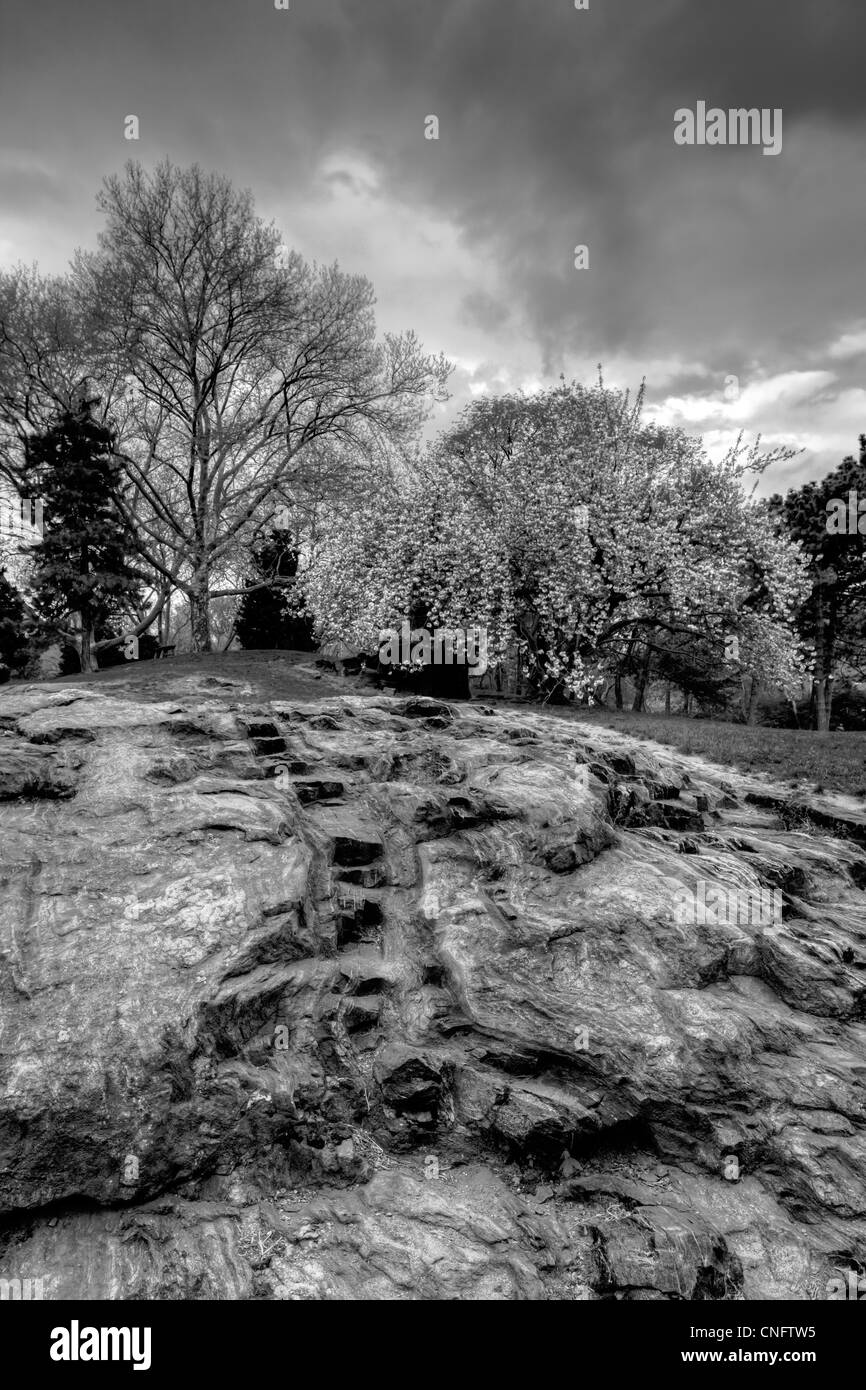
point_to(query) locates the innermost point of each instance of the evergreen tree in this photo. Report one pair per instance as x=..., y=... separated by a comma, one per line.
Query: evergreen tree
x=80, y=574
x=833, y=618
x=273, y=616
x=13, y=645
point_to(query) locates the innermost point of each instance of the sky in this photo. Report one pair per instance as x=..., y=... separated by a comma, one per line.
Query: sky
x=555, y=130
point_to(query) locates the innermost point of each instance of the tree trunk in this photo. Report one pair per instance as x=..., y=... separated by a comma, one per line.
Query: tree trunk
x=752, y=715
x=86, y=642
x=687, y=703
x=668, y=699
x=823, y=665
x=199, y=615
x=617, y=690
x=822, y=714
x=164, y=627
x=642, y=682
x=823, y=703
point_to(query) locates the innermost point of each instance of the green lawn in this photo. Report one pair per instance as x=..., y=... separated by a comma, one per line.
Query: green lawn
x=833, y=762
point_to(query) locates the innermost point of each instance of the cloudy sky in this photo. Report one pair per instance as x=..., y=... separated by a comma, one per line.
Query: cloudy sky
x=556, y=129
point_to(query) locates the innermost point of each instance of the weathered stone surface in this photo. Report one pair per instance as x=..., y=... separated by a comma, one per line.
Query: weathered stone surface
x=429, y=1028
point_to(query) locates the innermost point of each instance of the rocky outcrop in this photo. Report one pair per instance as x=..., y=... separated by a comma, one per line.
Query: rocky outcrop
x=359, y=998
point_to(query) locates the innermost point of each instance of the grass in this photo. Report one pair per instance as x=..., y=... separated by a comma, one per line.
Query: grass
x=273, y=675
x=832, y=762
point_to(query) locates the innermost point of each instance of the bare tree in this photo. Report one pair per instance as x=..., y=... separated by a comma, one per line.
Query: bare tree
x=237, y=357
x=41, y=362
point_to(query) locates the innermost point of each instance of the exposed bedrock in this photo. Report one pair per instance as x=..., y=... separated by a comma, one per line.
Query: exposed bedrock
x=381, y=998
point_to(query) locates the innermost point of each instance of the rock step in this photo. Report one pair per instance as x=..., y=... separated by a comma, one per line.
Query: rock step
x=352, y=851
x=362, y=1012
x=261, y=728
x=672, y=815
x=361, y=909
x=308, y=790
x=296, y=767
x=265, y=747
x=351, y=934
x=366, y=876
x=422, y=708
x=822, y=812
x=358, y=918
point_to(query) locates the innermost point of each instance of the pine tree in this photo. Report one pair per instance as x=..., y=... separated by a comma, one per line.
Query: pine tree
x=13, y=644
x=832, y=618
x=272, y=616
x=81, y=576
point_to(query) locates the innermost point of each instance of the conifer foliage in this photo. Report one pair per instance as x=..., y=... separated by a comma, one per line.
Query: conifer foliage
x=13, y=645
x=81, y=577
x=269, y=614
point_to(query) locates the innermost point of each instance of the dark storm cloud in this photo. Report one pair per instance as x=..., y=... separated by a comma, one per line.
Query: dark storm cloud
x=556, y=129
x=482, y=309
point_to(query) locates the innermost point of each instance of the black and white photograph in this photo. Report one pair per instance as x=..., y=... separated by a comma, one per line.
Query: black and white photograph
x=432, y=670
